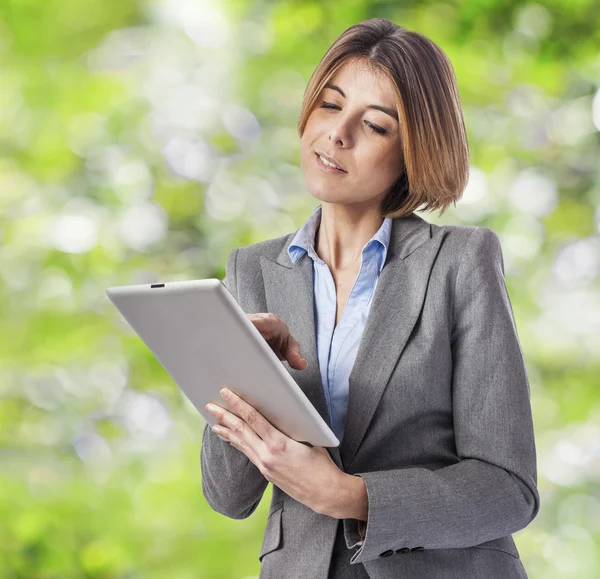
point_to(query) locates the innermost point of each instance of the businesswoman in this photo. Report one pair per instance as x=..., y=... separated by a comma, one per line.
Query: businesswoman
x=409, y=340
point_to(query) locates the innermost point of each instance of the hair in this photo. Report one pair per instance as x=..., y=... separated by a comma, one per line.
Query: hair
x=434, y=141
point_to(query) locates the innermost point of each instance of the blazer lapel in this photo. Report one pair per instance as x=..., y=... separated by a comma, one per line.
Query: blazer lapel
x=289, y=295
x=393, y=313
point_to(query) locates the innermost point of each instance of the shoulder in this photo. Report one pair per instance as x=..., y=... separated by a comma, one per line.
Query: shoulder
x=461, y=235
x=248, y=270
x=468, y=253
x=269, y=248
x=469, y=242
x=477, y=255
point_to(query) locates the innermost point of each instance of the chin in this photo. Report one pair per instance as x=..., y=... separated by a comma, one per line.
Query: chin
x=321, y=192
x=322, y=188
x=329, y=197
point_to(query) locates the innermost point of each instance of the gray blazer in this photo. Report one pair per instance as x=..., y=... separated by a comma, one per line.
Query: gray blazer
x=439, y=421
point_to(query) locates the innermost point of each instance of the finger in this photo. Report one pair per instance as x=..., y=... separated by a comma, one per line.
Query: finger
x=237, y=433
x=251, y=423
x=237, y=442
x=293, y=354
x=273, y=330
x=269, y=325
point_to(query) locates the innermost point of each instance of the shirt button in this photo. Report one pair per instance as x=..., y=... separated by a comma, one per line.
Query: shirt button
x=418, y=549
x=387, y=553
x=403, y=550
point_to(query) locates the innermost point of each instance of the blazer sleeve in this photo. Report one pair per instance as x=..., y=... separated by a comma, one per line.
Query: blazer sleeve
x=492, y=491
x=231, y=483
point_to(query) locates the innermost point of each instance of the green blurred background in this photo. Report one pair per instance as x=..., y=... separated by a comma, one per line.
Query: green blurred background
x=143, y=141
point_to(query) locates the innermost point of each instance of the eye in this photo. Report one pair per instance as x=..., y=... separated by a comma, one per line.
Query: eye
x=374, y=128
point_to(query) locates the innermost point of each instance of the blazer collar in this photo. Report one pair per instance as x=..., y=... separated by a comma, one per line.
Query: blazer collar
x=394, y=310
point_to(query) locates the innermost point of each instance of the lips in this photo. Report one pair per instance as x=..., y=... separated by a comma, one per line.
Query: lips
x=332, y=160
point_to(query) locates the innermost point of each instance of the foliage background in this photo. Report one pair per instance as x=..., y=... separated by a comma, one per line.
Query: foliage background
x=144, y=140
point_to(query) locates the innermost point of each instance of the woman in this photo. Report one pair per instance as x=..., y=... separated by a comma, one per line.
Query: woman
x=412, y=354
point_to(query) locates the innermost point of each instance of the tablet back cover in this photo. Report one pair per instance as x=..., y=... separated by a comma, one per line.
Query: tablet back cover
x=204, y=340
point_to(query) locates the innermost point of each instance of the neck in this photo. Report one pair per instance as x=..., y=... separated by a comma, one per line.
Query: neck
x=343, y=233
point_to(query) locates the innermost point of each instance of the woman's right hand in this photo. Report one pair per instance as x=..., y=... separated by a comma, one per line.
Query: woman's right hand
x=275, y=331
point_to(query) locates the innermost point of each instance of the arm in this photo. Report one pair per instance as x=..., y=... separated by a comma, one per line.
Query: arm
x=231, y=483
x=492, y=492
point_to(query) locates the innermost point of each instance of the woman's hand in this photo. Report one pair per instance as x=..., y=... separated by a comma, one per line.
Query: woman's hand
x=275, y=331
x=306, y=473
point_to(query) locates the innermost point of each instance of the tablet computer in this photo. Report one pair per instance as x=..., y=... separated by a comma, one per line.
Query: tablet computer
x=205, y=341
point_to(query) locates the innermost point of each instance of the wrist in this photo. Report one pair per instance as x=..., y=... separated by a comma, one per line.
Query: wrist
x=350, y=498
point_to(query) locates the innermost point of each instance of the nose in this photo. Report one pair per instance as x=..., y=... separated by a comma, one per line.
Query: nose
x=340, y=134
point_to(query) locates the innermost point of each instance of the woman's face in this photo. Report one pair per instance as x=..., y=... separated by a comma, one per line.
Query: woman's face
x=343, y=126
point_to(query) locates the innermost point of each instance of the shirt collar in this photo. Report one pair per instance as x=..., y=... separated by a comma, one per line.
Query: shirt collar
x=303, y=241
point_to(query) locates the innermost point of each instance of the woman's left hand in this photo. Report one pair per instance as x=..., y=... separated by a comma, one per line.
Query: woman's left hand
x=307, y=474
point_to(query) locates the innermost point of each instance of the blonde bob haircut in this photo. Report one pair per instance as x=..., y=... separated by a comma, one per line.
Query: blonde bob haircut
x=434, y=141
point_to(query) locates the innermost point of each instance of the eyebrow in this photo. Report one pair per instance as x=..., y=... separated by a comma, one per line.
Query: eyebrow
x=383, y=109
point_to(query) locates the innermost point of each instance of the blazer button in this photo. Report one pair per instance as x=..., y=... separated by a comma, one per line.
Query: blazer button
x=403, y=550
x=387, y=553
x=418, y=549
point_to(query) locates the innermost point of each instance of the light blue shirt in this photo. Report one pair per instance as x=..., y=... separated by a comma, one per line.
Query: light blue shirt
x=337, y=346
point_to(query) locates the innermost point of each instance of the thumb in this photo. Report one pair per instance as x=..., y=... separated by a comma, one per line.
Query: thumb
x=295, y=348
